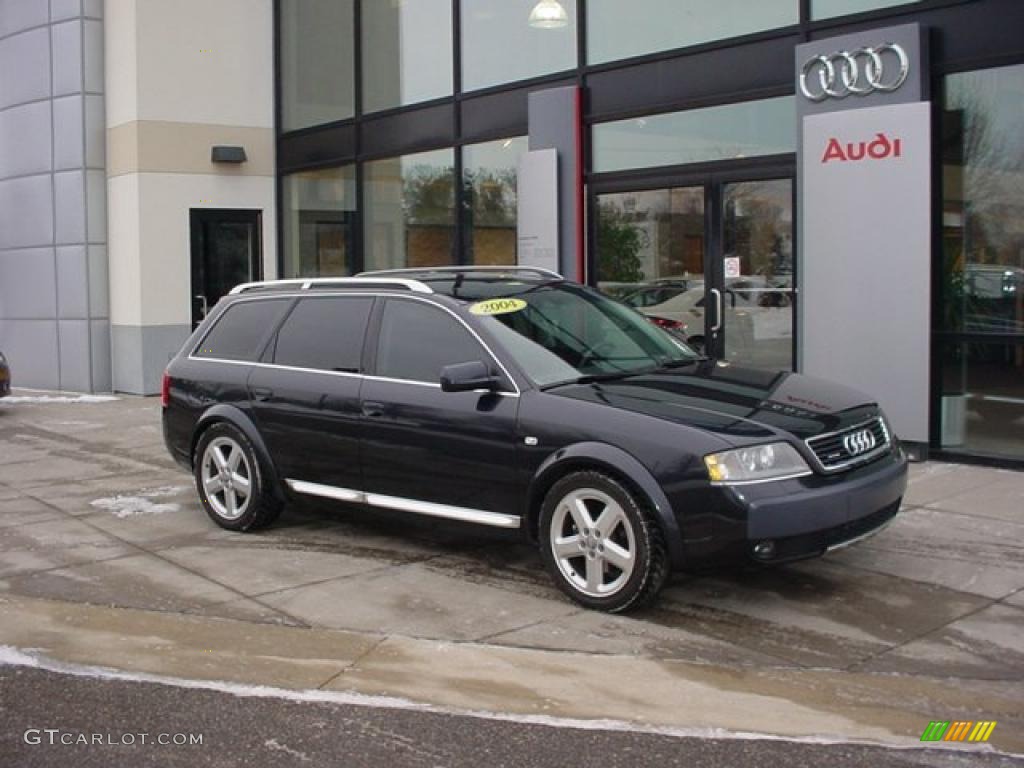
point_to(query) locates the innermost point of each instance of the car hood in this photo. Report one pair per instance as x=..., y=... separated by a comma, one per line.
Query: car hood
x=742, y=405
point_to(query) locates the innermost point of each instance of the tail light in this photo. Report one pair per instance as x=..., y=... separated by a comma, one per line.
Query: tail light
x=668, y=325
x=165, y=390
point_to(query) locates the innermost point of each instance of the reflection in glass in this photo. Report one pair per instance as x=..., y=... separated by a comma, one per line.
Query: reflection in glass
x=825, y=9
x=407, y=52
x=489, y=26
x=617, y=29
x=489, y=185
x=983, y=202
x=983, y=398
x=317, y=62
x=410, y=211
x=650, y=254
x=747, y=129
x=757, y=253
x=982, y=277
x=318, y=210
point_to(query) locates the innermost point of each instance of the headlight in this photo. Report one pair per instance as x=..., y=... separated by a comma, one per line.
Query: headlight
x=759, y=462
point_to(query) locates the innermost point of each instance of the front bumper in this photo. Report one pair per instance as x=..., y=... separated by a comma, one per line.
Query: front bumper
x=809, y=522
x=803, y=517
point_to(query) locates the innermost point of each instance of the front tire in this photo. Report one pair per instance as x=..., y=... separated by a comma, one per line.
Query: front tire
x=600, y=545
x=230, y=484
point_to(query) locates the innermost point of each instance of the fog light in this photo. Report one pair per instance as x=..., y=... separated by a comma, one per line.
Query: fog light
x=764, y=550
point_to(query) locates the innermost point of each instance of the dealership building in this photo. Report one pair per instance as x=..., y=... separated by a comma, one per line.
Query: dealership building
x=834, y=187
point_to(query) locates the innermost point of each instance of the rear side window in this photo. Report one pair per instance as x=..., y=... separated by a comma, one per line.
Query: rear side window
x=324, y=333
x=241, y=329
x=418, y=340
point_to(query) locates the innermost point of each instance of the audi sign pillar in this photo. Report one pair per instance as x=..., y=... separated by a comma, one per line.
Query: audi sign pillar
x=864, y=259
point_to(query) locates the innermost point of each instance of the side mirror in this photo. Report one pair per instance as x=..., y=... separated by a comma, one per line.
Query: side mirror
x=465, y=377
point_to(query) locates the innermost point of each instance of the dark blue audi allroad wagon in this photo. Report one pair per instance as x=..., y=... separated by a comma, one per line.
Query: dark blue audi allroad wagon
x=511, y=397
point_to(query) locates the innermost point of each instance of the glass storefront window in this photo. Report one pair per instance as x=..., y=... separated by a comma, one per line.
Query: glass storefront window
x=983, y=202
x=982, y=271
x=489, y=26
x=319, y=210
x=489, y=186
x=826, y=9
x=317, y=62
x=407, y=52
x=732, y=131
x=618, y=30
x=409, y=210
x=983, y=398
x=650, y=244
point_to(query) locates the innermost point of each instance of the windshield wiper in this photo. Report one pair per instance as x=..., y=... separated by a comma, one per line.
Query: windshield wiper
x=668, y=364
x=590, y=378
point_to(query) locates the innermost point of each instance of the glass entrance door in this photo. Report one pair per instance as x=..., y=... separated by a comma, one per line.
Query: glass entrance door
x=711, y=262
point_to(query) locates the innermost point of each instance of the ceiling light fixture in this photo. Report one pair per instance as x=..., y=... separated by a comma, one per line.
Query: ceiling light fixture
x=548, y=14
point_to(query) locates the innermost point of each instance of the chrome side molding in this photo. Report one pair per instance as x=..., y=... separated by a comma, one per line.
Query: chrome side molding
x=429, y=508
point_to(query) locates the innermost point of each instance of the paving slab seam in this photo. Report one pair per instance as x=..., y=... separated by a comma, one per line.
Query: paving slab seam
x=971, y=516
x=492, y=638
x=875, y=571
x=156, y=554
x=967, y=615
x=354, y=663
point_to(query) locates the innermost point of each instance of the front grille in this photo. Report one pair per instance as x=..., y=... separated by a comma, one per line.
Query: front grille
x=834, y=454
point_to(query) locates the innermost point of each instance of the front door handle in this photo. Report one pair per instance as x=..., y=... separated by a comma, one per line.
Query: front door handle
x=718, y=310
x=372, y=409
x=262, y=393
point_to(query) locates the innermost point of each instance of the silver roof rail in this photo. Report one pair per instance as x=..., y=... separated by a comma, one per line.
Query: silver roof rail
x=306, y=283
x=467, y=268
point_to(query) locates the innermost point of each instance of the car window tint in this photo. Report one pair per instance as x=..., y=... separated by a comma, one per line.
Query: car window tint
x=241, y=329
x=418, y=340
x=324, y=333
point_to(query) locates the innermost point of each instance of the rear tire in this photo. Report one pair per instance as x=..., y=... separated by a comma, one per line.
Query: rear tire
x=230, y=482
x=601, y=547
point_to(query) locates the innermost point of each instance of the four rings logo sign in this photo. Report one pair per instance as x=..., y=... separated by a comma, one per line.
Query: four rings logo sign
x=859, y=442
x=854, y=73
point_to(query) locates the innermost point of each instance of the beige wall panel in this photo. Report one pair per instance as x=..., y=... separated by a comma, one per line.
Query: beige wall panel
x=166, y=258
x=164, y=147
x=206, y=61
x=119, y=51
x=123, y=249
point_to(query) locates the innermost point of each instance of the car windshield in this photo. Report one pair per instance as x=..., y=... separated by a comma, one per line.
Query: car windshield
x=564, y=333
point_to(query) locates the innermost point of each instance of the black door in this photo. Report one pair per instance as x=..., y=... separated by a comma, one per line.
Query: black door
x=708, y=257
x=226, y=251
x=305, y=394
x=421, y=444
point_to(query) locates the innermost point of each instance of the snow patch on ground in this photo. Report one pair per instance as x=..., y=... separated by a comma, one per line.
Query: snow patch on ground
x=45, y=399
x=140, y=504
x=274, y=745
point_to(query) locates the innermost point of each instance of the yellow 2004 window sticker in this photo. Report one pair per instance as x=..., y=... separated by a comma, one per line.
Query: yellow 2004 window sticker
x=497, y=306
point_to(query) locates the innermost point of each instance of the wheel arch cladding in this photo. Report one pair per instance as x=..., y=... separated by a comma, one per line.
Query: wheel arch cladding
x=619, y=465
x=236, y=417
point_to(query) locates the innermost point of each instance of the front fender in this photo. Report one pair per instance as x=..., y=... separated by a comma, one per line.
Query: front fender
x=240, y=419
x=617, y=463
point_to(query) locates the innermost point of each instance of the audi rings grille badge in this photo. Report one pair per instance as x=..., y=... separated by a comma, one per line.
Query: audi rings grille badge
x=859, y=72
x=859, y=442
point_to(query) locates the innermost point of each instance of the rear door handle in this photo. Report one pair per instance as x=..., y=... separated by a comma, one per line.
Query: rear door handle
x=373, y=409
x=262, y=393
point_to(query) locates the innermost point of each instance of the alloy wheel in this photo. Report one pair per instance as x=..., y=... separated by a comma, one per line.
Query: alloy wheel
x=593, y=542
x=227, y=478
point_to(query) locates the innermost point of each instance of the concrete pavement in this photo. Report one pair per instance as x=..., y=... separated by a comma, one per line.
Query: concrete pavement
x=106, y=558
